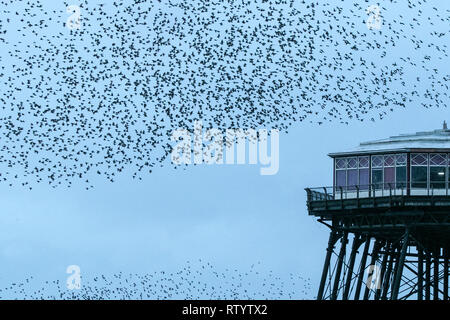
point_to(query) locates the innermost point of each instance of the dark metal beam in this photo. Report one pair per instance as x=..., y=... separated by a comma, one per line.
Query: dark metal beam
x=376, y=248
x=446, y=257
x=355, y=246
x=388, y=275
x=383, y=268
x=337, y=276
x=419, y=273
x=436, y=254
x=362, y=268
x=399, y=271
x=334, y=236
x=427, y=275
x=422, y=273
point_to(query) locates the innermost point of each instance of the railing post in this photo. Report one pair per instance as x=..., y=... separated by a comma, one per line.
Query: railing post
x=419, y=273
x=373, y=198
x=326, y=197
x=432, y=195
x=357, y=196
x=308, y=194
x=390, y=194
x=308, y=198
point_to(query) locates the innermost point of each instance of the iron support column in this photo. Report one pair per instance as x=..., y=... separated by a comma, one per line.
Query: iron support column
x=362, y=268
x=419, y=273
x=387, y=277
x=334, y=236
x=446, y=257
x=383, y=269
x=401, y=262
x=355, y=246
x=376, y=248
x=436, y=253
x=427, y=275
x=337, y=276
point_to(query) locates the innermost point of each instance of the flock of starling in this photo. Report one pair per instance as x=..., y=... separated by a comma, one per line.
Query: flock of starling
x=105, y=97
x=191, y=282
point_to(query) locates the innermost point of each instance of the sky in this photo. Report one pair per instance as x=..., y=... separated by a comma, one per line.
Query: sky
x=227, y=215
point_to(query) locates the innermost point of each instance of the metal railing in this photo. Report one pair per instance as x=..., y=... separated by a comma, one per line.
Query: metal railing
x=372, y=190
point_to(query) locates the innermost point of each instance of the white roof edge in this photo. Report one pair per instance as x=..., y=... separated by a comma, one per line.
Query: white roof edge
x=379, y=151
x=438, y=140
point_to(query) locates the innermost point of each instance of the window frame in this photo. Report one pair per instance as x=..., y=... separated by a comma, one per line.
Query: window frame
x=444, y=165
x=427, y=165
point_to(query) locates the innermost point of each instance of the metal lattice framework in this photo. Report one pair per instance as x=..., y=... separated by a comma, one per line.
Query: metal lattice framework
x=392, y=247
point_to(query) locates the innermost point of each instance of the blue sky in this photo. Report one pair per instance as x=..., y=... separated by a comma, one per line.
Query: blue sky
x=227, y=215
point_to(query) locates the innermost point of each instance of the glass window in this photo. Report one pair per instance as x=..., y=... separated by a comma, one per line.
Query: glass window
x=438, y=159
x=419, y=176
x=377, y=161
x=448, y=171
x=352, y=179
x=364, y=179
x=437, y=177
x=363, y=162
x=341, y=163
x=352, y=163
x=401, y=159
x=389, y=161
x=400, y=177
x=419, y=170
x=377, y=178
x=419, y=159
x=341, y=178
x=388, y=171
x=389, y=177
x=438, y=163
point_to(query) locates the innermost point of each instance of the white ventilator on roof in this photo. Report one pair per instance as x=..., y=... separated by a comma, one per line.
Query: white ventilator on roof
x=436, y=139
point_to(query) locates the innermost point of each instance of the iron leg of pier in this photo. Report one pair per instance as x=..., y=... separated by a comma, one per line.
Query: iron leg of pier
x=334, y=236
x=383, y=269
x=401, y=262
x=362, y=268
x=427, y=274
x=376, y=248
x=436, y=253
x=419, y=273
x=446, y=257
x=355, y=246
x=337, y=276
x=387, y=277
